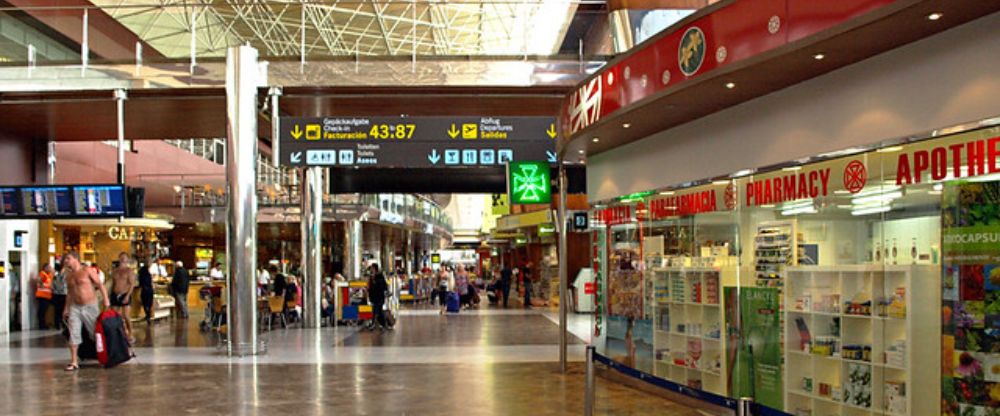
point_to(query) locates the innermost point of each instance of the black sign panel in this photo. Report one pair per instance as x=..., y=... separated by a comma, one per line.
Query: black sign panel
x=416, y=142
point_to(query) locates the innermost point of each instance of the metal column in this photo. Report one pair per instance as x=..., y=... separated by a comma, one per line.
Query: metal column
x=120, y=97
x=275, y=94
x=563, y=269
x=352, y=249
x=241, y=222
x=312, y=263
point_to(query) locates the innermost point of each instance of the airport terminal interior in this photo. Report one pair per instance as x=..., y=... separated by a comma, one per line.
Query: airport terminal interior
x=493, y=207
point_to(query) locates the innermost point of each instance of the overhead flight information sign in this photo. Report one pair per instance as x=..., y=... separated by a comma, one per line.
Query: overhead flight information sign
x=416, y=142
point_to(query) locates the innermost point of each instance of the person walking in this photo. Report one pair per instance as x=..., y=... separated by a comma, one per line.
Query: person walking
x=179, y=286
x=59, y=295
x=377, y=287
x=122, y=284
x=146, y=291
x=82, y=311
x=43, y=294
x=462, y=285
x=505, y=277
x=443, y=285
x=526, y=278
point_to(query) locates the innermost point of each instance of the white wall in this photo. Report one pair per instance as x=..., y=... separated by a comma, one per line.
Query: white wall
x=948, y=79
x=29, y=259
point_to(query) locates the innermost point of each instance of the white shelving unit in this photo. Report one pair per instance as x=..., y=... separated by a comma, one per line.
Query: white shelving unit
x=688, y=333
x=842, y=308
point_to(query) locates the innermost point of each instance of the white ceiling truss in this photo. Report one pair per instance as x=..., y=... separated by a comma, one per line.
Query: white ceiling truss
x=293, y=29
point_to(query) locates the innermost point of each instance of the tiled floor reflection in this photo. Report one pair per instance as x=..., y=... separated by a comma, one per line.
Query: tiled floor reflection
x=482, y=362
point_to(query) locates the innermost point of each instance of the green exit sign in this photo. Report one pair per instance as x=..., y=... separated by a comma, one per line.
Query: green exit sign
x=529, y=183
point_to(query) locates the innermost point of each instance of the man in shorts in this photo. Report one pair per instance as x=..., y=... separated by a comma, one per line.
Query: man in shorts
x=81, y=303
x=122, y=284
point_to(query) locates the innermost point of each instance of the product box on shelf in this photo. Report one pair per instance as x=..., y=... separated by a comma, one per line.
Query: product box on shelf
x=858, y=390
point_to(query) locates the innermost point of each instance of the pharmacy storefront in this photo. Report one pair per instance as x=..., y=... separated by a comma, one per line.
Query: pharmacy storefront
x=840, y=285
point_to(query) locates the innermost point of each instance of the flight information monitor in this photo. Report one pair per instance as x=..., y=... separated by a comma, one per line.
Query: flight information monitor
x=8, y=202
x=46, y=201
x=99, y=200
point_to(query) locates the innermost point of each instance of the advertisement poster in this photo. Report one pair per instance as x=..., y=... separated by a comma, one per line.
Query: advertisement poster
x=629, y=333
x=970, y=333
x=754, y=352
x=599, y=256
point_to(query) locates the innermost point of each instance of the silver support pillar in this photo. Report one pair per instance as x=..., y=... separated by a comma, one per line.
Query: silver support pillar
x=120, y=96
x=312, y=263
x=275, y=94
x=352, y=249
x=589, y=396
x=744, y=406
x=241, y=222
x=408, y=254
x=563, y=230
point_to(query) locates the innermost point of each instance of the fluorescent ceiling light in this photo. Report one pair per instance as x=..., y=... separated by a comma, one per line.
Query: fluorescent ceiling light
x=889, y=149
x=872, y=210
x=887, y=197
x=720, y=182
x=792, y=168
x=800, y=210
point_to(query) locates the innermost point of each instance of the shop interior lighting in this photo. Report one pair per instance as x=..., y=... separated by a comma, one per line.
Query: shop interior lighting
x=938, y=187
x=819, y=56
x=596, y=139
x=845, y=206
x=841, y=192
x=889, y=149
x=792, y=168
x=987, y=178
x=798, y=207
x=935, y=16
x=872, y=210
x=730, y=85
x=667, y=193
x=626, y=125
x=768, y=206
x=581, y=151
x=720, y=182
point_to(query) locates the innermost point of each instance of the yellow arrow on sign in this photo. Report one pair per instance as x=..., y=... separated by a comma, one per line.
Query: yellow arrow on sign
x=551, y=131
x=297, y=132
x=453, y=132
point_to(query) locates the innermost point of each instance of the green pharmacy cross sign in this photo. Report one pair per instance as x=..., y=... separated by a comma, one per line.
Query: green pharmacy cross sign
x=529, y=183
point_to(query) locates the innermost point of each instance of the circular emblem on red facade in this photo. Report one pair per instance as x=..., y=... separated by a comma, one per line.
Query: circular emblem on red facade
x=855, y=176
x=731, y=196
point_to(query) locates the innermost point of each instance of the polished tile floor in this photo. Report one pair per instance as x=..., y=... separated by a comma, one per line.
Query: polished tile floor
x=485, y=362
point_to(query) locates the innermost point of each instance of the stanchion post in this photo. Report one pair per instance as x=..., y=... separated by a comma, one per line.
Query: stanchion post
x=745, y=407
x=590, y=395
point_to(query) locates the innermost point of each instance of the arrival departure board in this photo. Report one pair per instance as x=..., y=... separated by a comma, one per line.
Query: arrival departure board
x=67, y=201
x=46, y=201
x=99, y=200
x=8, y=202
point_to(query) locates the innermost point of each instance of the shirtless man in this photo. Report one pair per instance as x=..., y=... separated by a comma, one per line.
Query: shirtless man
x=81, y=303
x=122, y=284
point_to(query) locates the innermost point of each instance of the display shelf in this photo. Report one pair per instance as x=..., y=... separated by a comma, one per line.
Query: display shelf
x=852, y=330
x=690, y=324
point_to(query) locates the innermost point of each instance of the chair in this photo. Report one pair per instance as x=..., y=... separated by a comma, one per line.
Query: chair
x=290, y=305
x=276, y=305
x=218, y=312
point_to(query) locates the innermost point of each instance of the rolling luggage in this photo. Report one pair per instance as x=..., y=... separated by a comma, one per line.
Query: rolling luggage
x=112, y=344
x=453, y=303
